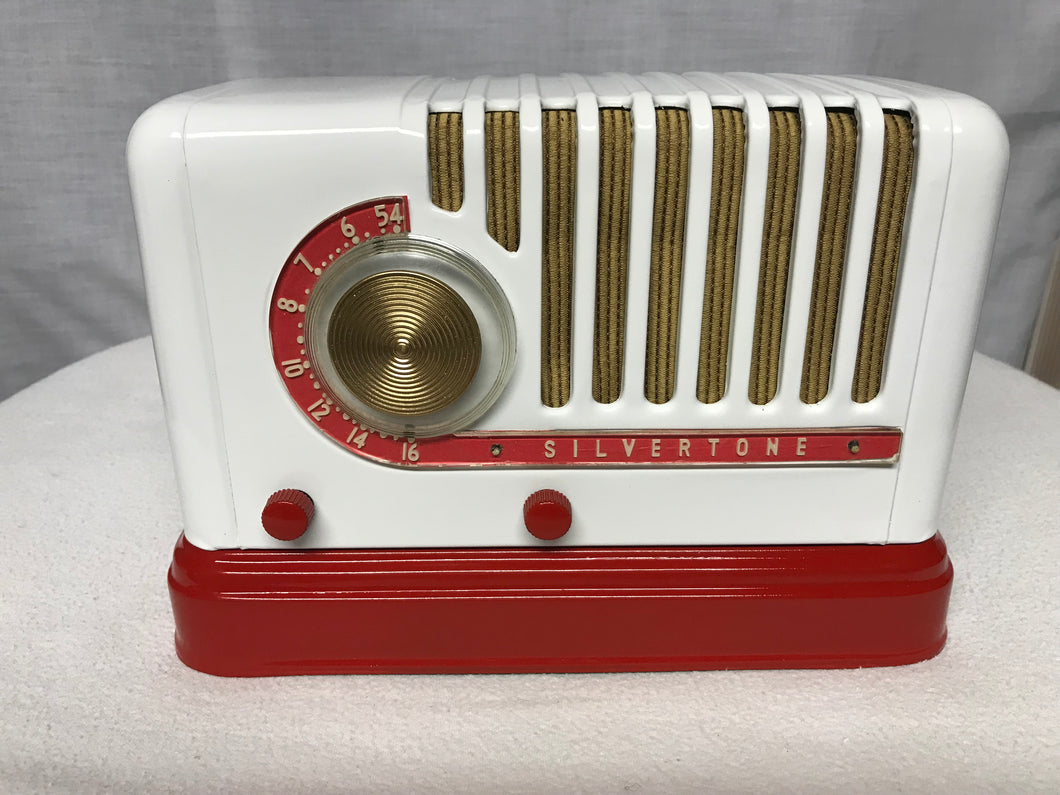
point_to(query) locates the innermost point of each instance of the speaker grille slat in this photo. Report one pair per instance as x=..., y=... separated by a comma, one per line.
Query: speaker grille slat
x=782, y=184
x=895, y=180
x=839, y=172
x=726, y=192
x=612, y=252
x=559, y=132
x=502, y=177
x=445, y=153
x=667, y=252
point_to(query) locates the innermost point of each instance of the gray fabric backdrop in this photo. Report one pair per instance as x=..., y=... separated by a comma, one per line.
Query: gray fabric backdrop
x=75, y=74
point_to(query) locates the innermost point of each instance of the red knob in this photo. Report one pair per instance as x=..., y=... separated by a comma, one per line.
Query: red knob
x=547, y=514
x=287, y=514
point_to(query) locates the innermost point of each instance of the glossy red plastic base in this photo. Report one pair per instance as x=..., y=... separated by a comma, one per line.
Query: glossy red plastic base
x=265, y=613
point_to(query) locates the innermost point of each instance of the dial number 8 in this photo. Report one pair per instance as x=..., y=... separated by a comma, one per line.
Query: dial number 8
x=287, y=305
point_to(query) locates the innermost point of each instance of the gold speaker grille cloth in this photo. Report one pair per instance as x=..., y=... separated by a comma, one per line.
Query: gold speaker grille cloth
x=445, y=152
x=895, y=180
x=840, y=161
x=502, y=177
x=782, y=184
x=404, y=343
x=726, y=191
x=667, y=252
x=560, y=151
x=612, y=252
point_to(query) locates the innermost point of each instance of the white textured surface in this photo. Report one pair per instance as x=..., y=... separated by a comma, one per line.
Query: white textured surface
x=92, y=697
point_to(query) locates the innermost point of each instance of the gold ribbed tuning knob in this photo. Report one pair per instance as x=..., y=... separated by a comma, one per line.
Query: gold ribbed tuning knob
x=404, y=343
x=409, y=336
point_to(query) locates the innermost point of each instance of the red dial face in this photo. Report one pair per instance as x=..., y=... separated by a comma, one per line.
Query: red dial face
x=298, y=278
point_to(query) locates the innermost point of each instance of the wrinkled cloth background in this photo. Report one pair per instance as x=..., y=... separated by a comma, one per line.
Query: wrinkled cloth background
x=75, y=75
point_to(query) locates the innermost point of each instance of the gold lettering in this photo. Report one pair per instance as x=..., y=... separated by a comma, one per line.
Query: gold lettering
x=684, y=448
x=800, y=446
x=550, y=448
x=741, y=447
x=599, y=454
x=628, y=444
x=772, y=445
x=713, y=447
x=656, y=444
x=575, y=447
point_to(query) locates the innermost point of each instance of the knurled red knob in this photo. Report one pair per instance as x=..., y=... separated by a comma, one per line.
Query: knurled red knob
x=287, y=514
x=547, y=514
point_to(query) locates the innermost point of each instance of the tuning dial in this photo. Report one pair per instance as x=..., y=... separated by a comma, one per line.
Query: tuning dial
x=287, y=514
x=547, y=514
x=409, y=336
x=404, y=343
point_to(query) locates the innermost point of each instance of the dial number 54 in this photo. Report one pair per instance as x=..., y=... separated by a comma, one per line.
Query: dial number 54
x=394, y=217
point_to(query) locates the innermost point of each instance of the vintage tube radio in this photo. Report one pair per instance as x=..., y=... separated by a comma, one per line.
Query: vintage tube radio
x=563, y=373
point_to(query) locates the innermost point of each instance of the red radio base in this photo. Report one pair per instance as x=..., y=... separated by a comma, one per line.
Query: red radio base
x=267, y=613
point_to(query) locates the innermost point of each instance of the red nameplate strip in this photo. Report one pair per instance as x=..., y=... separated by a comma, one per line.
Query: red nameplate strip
x=633, y=448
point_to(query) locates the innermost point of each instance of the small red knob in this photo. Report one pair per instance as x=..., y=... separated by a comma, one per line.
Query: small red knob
x=287, y=514
x=547, y=514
